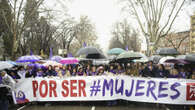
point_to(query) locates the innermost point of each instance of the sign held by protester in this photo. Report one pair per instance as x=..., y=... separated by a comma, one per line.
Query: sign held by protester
x=90, y=88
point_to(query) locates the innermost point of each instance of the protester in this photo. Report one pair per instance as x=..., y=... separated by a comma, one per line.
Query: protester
x=174, y=73
x=150, y=70
x=87, y=70
x=7, y=79
x=51, y=71
x=119, y=69
x=39, y=73
x=162, y=72
x=93, y=71
x=22, y=72
x=101, y=71
x=80, y=72
x=63, y=70
x=74, y=71
x=111, y=69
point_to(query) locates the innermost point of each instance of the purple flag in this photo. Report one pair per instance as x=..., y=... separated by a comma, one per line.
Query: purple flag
x=31, y=53
x=127, y=48
x=69, y=55
x=84, y=44
x=50, y=53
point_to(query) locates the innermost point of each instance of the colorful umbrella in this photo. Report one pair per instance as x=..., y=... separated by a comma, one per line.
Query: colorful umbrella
x=27, y=58
x=52, y=63
x=37, y=65
x=69, y=60
x=115, y=51
x=5, y=65
x=56, y=58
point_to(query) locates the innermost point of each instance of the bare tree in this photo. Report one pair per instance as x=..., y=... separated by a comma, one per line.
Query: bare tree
x=18, y=23
x=153, y=18
x=125, y=36
x=84, y=33
x=175, y=40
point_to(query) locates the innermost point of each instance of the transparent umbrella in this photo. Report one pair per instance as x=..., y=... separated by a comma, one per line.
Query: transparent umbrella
x=5, y=65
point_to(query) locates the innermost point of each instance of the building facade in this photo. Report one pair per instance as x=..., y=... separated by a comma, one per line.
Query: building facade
x=179, y=41
x=192, y=34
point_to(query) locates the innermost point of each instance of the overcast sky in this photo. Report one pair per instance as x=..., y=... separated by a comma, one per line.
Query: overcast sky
x=103, y=13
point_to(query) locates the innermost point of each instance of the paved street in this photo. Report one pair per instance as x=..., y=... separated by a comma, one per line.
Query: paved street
x=88, y=106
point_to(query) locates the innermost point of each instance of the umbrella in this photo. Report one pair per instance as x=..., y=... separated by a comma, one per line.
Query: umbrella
x=167, y=51
x=5, y=65
x=39, y=57
x=87, y=50
x=163, y=59
x=100, y=62
x=155, y=58
x=56, y=58
x=96, y=56
x=27, y=58
x=181, y=57
x=143, y=55
x=115, y=51
x=52, y=63
x=143, y=60
x=112, y=57
x=37, y=65
x=176, y=61
x=129, y=55
x=69, y=60
x=190, y=57
x=11, y=62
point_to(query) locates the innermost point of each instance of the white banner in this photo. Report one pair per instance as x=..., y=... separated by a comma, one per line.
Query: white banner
x=90, y=88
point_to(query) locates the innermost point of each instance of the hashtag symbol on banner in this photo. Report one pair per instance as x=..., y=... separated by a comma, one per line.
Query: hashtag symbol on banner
x=95, y=88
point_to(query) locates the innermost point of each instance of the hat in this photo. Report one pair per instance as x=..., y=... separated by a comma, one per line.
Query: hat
x=3, y=72
x=100, y=68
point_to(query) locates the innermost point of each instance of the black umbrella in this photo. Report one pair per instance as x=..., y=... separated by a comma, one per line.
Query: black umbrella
x=190, y=57
x=87, y=50
x=167, y=51
x=95, y=56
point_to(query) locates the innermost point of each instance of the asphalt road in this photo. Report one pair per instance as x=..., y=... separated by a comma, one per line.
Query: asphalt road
x=96, y=106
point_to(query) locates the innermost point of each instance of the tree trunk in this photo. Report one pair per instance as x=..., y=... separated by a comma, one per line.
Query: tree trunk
x=14, y=47
x=148, y=46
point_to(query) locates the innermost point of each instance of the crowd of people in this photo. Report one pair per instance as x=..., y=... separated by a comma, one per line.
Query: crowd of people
x=148, y=69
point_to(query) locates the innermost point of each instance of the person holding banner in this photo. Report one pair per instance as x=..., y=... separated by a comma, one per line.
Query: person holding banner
x=87, y=70
x=6, y=83
x=101, y=71
x=162, y=73
x=80, y=72
x=22, y=72
x=51, y=71
x=111, y=69
x=119, y=69
x=174, y=73
x=39, y=73
x=7, y=79
x=63, y=70
x=93, y=70
x=150, y=70
x=74, y=71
